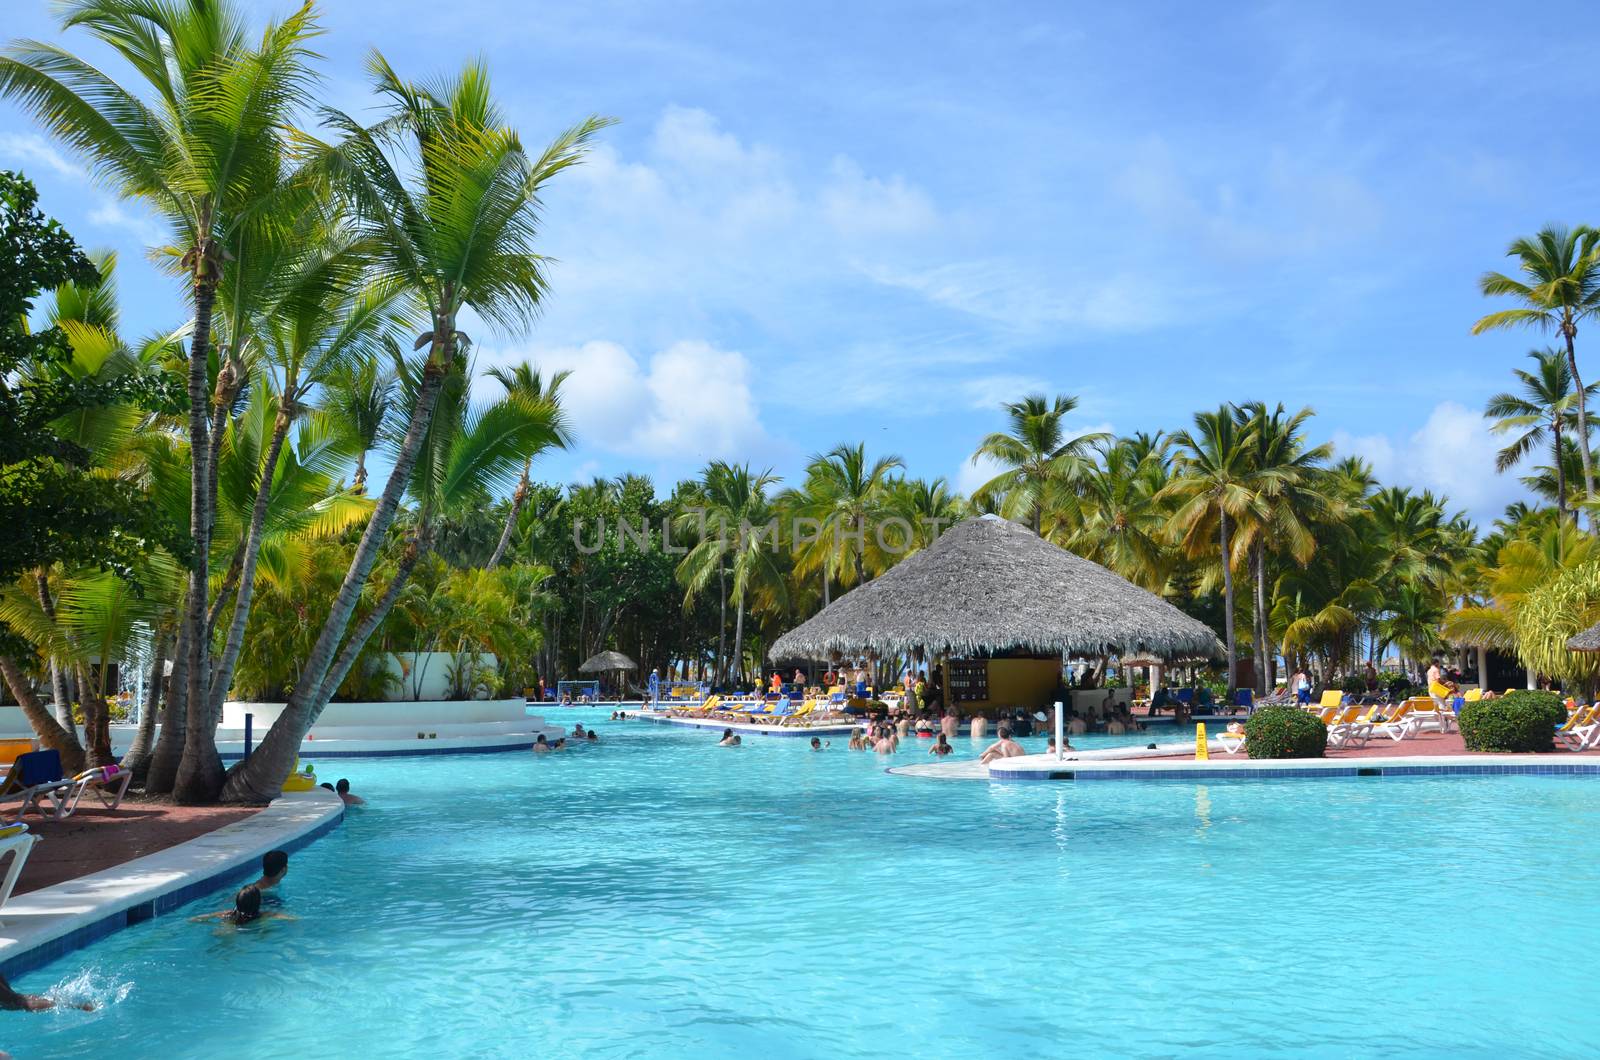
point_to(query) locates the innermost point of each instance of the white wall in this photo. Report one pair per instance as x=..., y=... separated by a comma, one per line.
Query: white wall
x=336, y=715
x=426, y=674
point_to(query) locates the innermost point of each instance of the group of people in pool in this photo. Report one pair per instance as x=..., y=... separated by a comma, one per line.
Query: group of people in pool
x=580, y=735
x=884, y=739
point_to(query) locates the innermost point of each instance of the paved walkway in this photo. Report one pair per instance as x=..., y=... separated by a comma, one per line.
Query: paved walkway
x=95, y=838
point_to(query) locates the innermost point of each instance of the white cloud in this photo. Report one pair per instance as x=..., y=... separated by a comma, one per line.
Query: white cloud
x=972, y=474
x=1005, y=294
x=16, y=150
x=691, y=402
x=991, y=391
x=856, y=204
x=1452, y=454
x=111, y=215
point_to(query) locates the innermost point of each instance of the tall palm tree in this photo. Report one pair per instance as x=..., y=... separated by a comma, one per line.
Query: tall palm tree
x=1123, y=517
x=732, y=510
x=524, y=379
x=202, y=148
x=1560, y=286
x=449, y=202
x=1288, y=477
x=1543, y=411
x=845, y=495
x=1035, y=453
x=1215, y=486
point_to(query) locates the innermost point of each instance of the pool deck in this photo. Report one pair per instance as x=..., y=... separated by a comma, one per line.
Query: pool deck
x=1425, y=754
x=38, y=927
x=748, y=728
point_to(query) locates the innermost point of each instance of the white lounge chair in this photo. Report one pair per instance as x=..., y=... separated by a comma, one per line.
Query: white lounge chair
x=36, y=778
x=15, y=841
x=1231, y=742
x=1399, y=725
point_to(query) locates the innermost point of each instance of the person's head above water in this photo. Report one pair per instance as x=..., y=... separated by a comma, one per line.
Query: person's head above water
x=726, y=733
x=541, y=739
x=274, y=863
x=815, y=742
x=1005, y=733
x=247, y=904
x=343, y=787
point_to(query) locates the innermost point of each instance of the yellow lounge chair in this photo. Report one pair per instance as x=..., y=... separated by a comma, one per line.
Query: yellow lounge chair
x=1348, y=729
x=1399, y=725
x=1332, y=698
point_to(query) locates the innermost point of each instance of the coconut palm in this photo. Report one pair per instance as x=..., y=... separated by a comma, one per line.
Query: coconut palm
x=1215, y=486
x=524, y=379
x=1288, y=475
x=1034, y=453
x=845, y=495
x=202, y=148
x=1559, y=286
x=1543, y=412
x=449, y=202
x=1121, y=516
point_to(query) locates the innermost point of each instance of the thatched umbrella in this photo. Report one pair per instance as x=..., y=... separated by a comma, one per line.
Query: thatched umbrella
x=992, y=585
x=1588, y=640
x=607, y=662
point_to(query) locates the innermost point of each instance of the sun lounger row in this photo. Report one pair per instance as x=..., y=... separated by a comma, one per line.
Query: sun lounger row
x=36, y=779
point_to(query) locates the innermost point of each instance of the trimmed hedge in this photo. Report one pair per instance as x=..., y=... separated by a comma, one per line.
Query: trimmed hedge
x=1523, y=720
x=1284, y=732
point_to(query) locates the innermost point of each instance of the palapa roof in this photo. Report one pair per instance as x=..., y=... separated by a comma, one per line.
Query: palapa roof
x=1588, y=640
x=991, y=585
x=607, y=661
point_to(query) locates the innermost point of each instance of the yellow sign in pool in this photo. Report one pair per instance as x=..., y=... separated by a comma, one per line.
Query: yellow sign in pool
x=1202, y=752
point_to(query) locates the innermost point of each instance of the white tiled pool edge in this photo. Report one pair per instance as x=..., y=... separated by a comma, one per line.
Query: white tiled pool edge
x=37, y=927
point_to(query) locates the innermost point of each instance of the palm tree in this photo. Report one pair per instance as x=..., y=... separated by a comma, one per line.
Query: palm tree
x=361, y=398
x=1560, y=287
x=203, y=149
x=845, y=495
x=1543, y=411
x=449, y=202
x=1122, y=514
x=1288, y=476
x=524, y=379
x=1035, y=453
x=1215, y=486
x=732, y=511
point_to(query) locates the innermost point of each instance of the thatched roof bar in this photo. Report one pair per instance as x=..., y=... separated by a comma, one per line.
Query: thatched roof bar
x=989, y=585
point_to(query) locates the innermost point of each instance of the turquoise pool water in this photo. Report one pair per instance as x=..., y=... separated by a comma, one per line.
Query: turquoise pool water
x=659, y=896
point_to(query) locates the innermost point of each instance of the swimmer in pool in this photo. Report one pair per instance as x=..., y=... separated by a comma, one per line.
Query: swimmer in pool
x=729, y=739
x=941, y=746
x=246, y=908
x=818, y=745
x=541, y=746
x=11, y=1001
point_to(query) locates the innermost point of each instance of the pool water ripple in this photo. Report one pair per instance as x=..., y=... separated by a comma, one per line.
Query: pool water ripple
x=658, y=896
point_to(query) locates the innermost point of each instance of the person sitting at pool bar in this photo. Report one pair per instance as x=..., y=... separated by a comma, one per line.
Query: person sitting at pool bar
x=1005, y=747
x=1160, y=701
x=941, y=746
x=274, y=865
x=980, y=725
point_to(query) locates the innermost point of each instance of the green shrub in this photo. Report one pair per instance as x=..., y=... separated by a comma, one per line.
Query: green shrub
x=1353, y=684
x=1519, y=721
x=1284, y=732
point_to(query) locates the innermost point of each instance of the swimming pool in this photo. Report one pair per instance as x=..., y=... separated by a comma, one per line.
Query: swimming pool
x=660, y=896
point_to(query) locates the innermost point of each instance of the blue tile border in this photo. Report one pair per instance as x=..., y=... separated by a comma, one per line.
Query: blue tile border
x=1075, y=772
x=77, y=939
x=311, y=754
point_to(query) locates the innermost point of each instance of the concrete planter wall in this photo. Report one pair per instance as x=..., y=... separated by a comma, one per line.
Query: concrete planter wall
x=384, y=715
x=422, y=675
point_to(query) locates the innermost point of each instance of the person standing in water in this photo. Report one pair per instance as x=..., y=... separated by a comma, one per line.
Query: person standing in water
x=941, y=746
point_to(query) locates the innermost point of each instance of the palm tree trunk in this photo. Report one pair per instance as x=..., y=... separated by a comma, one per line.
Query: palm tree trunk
x=261, y=778
x=368, y=625
x=49, y=731
x=222, y=679
x=738, y=642
x=722, y=620
x=1263, y=651
x=198, y=644
x=1583, y=426
x=1227, y=603
x=58, y=676
x=163, y=768
x=96, y=718
x=137, y=760
x=518, y=499
x=1561, y=475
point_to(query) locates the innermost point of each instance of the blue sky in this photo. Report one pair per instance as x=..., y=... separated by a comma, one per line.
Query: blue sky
x=832, y=222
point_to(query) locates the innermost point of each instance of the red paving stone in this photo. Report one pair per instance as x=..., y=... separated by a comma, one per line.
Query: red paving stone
x=94, y=838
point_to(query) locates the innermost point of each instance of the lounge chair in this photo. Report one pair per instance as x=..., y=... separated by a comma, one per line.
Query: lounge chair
x=16, y=841
x=1331, y=697
x=1398, y=726
x=1231, y=742
x=36, y=777
x=106, y=783
x=1243, y=697
x=1581, y=731
x=1349, y=729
